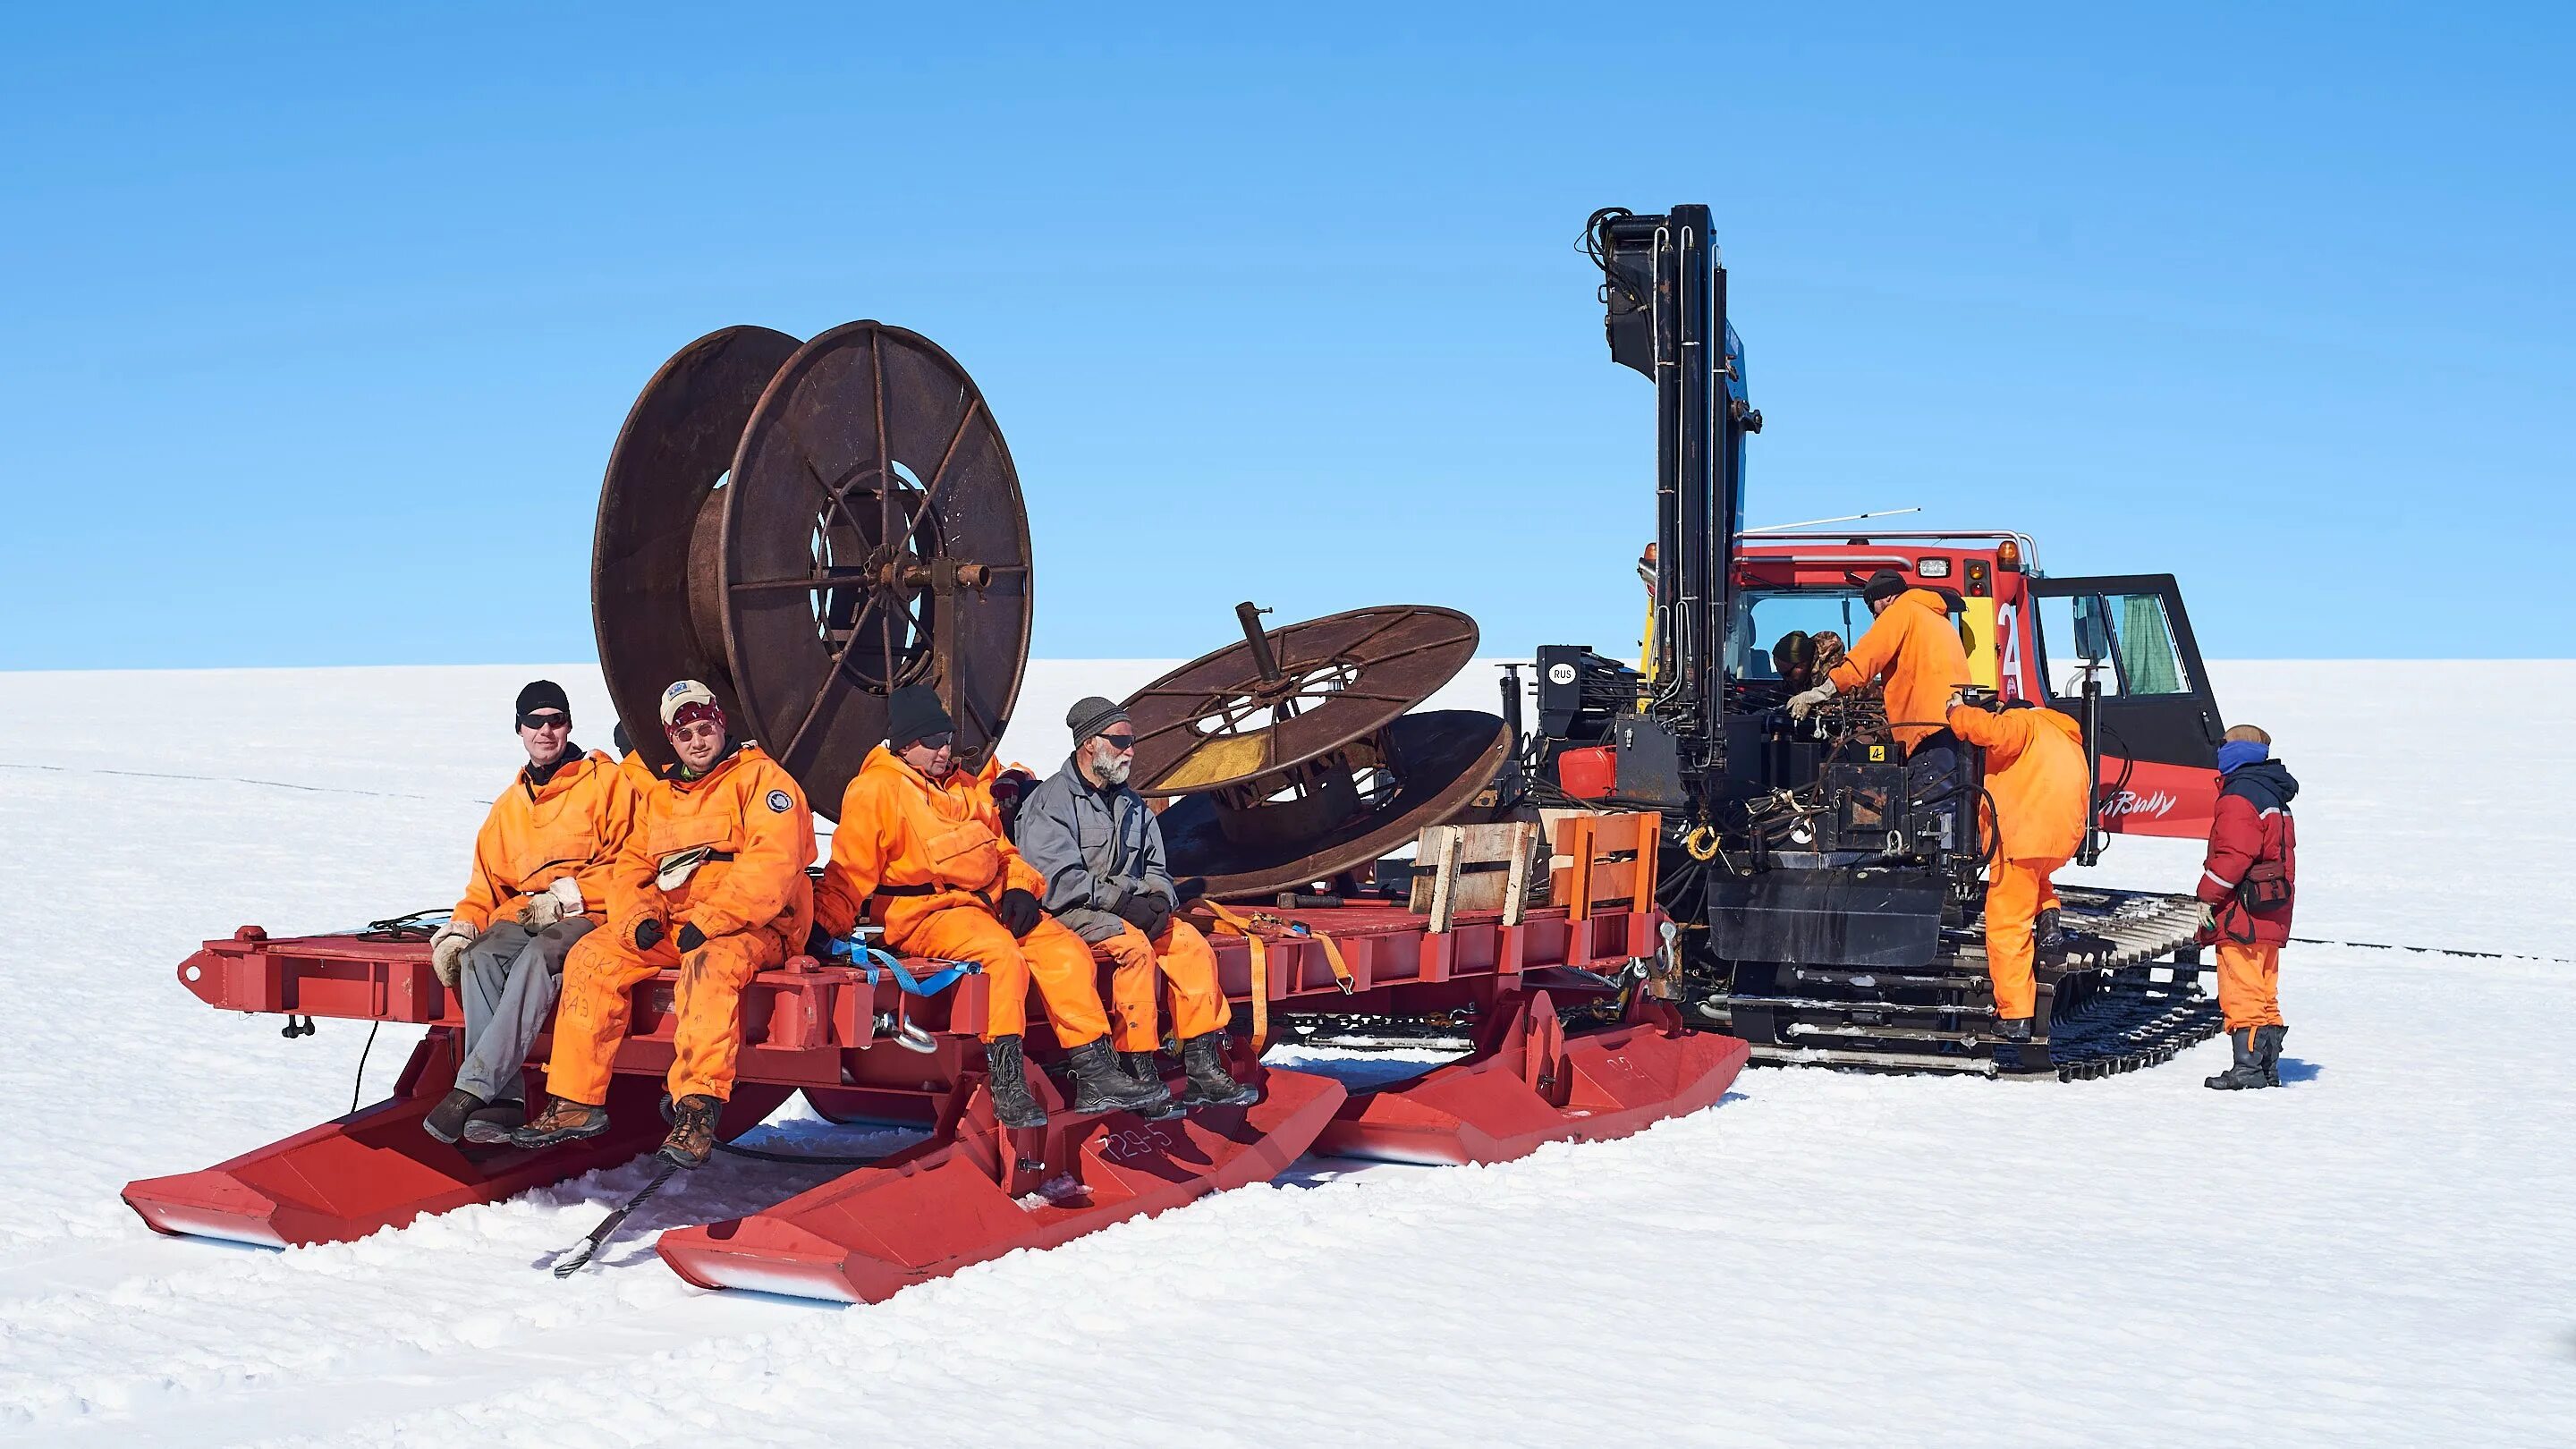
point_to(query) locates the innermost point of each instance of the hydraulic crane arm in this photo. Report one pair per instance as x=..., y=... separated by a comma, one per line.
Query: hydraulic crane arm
x=1664, y=293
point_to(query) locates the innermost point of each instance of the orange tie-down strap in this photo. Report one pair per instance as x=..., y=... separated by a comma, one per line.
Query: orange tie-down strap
x=1256, y=929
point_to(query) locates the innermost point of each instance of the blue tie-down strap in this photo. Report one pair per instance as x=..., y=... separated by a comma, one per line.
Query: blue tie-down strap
x=877, y=962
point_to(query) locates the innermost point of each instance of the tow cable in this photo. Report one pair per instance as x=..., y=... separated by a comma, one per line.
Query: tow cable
x=2438, y=951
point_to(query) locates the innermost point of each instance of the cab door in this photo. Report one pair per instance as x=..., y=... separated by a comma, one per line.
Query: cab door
x=2159, y=717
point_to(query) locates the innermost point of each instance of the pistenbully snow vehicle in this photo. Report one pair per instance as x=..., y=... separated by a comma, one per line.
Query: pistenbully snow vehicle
x=1835, y=913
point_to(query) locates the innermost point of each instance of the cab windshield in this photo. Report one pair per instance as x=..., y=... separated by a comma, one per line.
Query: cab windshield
x=1762, y=616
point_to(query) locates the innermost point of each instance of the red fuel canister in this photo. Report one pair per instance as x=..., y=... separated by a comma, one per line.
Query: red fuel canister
x=1588, y=774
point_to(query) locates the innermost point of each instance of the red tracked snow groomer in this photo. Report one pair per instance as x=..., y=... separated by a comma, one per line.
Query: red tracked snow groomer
x=807, y=526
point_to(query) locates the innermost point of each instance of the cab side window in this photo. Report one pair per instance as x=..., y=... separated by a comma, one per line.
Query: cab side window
x=2125, y=638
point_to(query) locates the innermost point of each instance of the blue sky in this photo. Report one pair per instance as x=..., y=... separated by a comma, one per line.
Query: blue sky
x=316, y=324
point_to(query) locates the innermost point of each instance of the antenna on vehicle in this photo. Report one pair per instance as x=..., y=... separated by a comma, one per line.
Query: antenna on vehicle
x=1812, y=522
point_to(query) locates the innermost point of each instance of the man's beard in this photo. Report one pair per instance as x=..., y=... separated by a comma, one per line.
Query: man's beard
x=1114, y=769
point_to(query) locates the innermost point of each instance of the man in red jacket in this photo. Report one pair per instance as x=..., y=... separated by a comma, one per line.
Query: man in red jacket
x=2245, y=890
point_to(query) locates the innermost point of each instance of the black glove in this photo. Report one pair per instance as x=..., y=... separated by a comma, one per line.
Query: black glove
x=1148, y=913
x=648, y=933
x=1019, y=912
x=691, y=938
x=818, y=943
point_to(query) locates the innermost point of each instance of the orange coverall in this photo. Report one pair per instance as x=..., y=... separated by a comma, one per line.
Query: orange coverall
x=750, y=898
x=1180, y=955
x=940, y=851
x=2036, y=773
x=1914, y=646
x=572, y=825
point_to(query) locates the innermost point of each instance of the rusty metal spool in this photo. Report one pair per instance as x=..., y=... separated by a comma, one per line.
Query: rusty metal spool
x=807, y=527
x=1291, y=757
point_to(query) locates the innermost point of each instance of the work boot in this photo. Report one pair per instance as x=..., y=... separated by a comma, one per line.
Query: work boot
x=693, y=1131
x=1211, y=1085
x=1098, y=1085
x=2013, y=1028
x=2048, y=940
x=2247, y=1071
x=2267, y=1044
x=491, y=1124
x=1006, y=1077
x=562, y=1121
x=446, y=1121
x=1146, y=1068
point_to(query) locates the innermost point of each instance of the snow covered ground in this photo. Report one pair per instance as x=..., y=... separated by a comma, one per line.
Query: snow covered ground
x=2380, y=1254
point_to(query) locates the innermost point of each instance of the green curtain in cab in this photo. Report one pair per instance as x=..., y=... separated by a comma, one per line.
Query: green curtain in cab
x=2146, y=647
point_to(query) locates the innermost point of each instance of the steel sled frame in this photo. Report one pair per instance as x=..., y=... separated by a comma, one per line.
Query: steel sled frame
x=972, y=1190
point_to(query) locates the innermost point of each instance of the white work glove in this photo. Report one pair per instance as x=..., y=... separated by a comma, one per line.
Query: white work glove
x=1803, y=705
x=552, y=904
x=2208, y=920
x=447, y=951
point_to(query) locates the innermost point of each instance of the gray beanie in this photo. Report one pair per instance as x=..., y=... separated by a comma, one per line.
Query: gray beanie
x=1092, y=714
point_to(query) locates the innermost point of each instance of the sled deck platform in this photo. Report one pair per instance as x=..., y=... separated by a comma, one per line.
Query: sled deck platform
x=1569, y=1045
x=2128, y=996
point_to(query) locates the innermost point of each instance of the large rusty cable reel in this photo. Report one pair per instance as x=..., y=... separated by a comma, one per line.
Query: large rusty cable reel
x=1291, y=757
x=807, y=528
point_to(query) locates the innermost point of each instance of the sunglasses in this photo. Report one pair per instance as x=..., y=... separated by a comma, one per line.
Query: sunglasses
x=1120, y=743
x=695, y=729
x=545, y=721
x=938, y=741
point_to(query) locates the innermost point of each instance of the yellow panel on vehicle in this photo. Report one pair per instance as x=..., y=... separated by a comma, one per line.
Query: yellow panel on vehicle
x=1977, y=632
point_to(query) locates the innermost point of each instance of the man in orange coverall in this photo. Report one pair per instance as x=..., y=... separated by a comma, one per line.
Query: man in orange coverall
x=712, y=881
x=540, y=883
x=1101, y=852
x=922, y=836
x=1913, y=646
x=2035, y=771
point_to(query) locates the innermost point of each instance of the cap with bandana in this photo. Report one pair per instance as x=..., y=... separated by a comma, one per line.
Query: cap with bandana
x=687, y=702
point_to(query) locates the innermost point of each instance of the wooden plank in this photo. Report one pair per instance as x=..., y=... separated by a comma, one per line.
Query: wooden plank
x=1489, y=860
x=1444, y=884
x=1516, y=882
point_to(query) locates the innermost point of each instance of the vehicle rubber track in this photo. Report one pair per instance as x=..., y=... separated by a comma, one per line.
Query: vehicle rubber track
x=2128, y=995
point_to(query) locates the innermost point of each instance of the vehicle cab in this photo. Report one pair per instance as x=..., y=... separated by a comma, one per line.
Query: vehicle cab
x=2027, y=636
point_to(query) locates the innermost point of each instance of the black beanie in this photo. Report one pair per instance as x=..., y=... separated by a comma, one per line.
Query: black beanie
x=1885, y=584
x=913, y=714
x=542, y=694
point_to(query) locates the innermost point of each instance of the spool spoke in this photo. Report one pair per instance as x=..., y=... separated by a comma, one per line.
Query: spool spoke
x=947, y=455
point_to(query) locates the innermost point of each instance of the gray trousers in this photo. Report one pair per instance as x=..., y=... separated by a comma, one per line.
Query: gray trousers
x=508, y=983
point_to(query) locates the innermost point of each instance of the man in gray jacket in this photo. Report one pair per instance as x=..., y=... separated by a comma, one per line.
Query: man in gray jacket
x=1098, y=846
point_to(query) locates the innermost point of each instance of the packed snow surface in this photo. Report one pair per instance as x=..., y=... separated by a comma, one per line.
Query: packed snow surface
x=2380, y=1253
